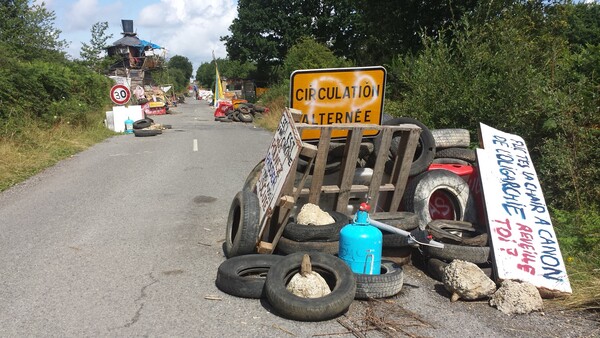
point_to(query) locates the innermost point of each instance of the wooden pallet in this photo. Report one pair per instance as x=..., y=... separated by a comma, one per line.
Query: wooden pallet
x=394, y=184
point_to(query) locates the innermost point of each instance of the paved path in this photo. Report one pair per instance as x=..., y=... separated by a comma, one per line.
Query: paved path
x=124, y=239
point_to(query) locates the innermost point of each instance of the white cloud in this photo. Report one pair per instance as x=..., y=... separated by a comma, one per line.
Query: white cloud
x=191, y=28
x=84, y=13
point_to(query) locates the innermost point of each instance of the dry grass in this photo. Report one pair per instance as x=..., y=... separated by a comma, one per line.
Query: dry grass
x=584, y=275
x=34, y=148
x=271, y=120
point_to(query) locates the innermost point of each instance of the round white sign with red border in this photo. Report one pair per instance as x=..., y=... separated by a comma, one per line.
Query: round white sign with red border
x=120, y=94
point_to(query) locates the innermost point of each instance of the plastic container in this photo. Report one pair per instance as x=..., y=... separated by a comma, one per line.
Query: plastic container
x=361, y=243
x=128, y=126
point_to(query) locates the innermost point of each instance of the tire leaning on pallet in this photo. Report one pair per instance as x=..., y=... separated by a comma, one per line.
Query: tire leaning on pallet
x=244, y=276
x=242, y=231
x=420, y=189
x=336, y=273
x=287, y=246
x=451, y=138
x=253, y=176
x=308, y=232
x=424, y=153
x=386, y=284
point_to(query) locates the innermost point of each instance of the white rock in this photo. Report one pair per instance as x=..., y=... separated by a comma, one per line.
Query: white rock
x=310, y=286
x=516, y=297
x=465, y=280
x=312, y=214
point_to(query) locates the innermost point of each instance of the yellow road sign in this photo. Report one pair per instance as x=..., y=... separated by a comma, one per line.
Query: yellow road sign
x=338, y=95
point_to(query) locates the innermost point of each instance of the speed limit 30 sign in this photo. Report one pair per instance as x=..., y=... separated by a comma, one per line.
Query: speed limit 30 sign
x=120, y=94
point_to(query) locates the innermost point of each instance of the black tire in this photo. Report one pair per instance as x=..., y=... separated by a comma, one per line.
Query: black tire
x=386, y=284
x=446, y=160
x=143, y=123
x=333, y=165
x=435, y=268
x=450, y=252
x=254, y=175
x=244, y=109
x=245, y=117
x=394, y=241
x=338, y=275
x=464, y=154
x=236, y=116
x=244, y=276
x=243, y=228
x=145, y=132
x=451, y=138
x=456, y=232
x=400, y=219
x=287, y=246
x=327, y=232
x=420, y=189
x=424, y=153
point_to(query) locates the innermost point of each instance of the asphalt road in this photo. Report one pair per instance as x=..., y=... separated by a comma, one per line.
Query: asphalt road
x=124, y=239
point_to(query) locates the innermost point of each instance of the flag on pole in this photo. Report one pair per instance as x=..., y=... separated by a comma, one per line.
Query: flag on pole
x=218, y=85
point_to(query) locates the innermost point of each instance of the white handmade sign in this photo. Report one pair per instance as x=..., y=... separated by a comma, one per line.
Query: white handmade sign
x=523, y=239
x=280, y=157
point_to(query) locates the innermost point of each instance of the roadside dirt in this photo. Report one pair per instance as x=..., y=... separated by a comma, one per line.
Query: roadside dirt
x=423, y=309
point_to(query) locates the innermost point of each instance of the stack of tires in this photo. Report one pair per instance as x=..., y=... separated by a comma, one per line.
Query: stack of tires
x=250, y=275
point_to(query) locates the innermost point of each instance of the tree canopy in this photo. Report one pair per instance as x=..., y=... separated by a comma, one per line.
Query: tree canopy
x=182, y=63
x=92, y=53
x=28, y=31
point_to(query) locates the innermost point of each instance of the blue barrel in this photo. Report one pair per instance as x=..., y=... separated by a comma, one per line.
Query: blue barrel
x=360, y=248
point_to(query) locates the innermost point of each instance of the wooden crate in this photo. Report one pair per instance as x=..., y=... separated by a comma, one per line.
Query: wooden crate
x=393, y=185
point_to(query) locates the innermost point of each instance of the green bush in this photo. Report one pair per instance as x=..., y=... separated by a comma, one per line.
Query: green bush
x=515, y=74
x=51, y=92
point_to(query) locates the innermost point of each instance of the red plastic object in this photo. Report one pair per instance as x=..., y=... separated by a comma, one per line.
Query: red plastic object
x=458, y=169
x=222, y=108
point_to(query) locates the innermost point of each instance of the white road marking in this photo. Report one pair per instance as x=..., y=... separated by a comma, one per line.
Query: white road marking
x=195, y=145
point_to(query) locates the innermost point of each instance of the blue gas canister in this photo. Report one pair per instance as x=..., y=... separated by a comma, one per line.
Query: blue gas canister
x=360, y=244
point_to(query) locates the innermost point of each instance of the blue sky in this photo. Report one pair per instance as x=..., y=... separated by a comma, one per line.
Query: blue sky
x=184, y=27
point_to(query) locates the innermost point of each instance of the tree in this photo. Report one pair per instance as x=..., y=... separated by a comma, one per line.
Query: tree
x=28, y=30
x=228, y=69
x=309, y=54
x=265, y=30
x=92, y=53
x=182, y=63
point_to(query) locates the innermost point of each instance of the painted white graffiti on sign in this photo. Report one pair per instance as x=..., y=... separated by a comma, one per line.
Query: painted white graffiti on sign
x=278, y=161
x=523, y=239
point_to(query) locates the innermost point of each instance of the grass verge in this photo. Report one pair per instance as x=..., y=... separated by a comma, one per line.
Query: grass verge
x=34, y=147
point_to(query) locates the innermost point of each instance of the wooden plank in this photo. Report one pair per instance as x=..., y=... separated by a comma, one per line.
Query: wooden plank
x=351, y=151
x=265, y=248
x=406, y=152
x=320, y=163
x=334, y=189
x=385, y=138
